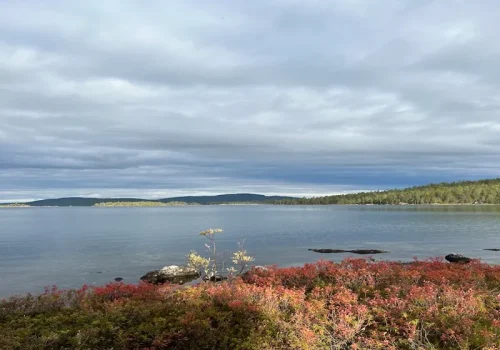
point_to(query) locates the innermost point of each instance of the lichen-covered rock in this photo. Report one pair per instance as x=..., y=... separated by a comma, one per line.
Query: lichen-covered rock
x=173, y=274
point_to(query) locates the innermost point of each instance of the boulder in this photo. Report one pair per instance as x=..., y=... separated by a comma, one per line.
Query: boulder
x=354, y=251
x=457, y=259
x=216, y=278
x=118, y=279
x=173, y=274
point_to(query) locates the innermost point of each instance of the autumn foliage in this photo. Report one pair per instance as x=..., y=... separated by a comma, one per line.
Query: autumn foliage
x=356, y=304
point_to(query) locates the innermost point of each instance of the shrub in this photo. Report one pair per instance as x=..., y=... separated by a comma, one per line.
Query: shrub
x=355, y=304
x=209, y=268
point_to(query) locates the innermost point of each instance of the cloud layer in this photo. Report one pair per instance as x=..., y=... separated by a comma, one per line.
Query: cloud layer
x=158, y=98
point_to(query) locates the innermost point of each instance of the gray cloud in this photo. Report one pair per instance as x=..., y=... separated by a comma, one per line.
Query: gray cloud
x=127, y=98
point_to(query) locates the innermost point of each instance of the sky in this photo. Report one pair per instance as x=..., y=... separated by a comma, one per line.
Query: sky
x=164, y=98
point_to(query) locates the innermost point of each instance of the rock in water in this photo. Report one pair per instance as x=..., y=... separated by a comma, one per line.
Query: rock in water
x=493, y=249
x=118, y=279
x=173, y=274
x=216, y=278
x=322, y=250
x=367, y=251
x=354, y=251
x=457, y=259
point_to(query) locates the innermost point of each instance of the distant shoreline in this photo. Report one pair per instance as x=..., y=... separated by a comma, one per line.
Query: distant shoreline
x=131, y=205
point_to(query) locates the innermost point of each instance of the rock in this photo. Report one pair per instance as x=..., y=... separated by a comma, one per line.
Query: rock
x=118, y=279
x=354, y=251
x=493, y=249
x=367, y=251
x=261, y=268
x=328, y=250
x=173, y=274
x=457, y=258
x=216, y=278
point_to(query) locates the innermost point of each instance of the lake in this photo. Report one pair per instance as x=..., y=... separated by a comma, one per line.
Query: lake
x=69, y=247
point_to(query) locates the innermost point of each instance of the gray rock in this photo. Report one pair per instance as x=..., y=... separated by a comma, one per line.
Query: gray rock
x=173, y=274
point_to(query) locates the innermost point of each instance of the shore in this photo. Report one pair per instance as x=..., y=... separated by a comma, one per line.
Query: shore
x=131, y=204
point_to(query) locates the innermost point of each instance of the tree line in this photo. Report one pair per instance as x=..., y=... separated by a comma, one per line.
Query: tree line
x=463, y=192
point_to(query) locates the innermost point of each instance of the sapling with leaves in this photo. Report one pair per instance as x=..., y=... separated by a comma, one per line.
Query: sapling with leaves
x=208, y=267
x=241, y=258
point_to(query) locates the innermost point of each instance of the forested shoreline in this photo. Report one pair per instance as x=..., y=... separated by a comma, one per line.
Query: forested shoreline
x=463, y=192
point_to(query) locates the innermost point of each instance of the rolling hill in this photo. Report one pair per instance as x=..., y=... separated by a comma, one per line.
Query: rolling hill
x=205, y=200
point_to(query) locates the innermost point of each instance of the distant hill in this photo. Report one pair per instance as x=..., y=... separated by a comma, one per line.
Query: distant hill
x=219, y=199
x=463, y=192
x=79, y=201
x=227, y=198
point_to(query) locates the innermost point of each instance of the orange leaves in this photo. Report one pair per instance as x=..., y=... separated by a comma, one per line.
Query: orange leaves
x=387, y=301
x=355, y=304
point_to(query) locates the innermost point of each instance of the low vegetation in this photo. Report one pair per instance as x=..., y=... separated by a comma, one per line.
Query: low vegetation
x=139, y=204
x=465, y=192
x=356, y=304
x=215, y=265
x=14, y=205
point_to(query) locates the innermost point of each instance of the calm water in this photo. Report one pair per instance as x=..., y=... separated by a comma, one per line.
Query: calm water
x=70, y=247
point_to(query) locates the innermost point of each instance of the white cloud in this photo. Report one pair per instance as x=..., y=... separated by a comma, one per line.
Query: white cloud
x=182, y=96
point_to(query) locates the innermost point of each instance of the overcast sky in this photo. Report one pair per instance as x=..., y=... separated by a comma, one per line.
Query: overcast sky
x=164, y=98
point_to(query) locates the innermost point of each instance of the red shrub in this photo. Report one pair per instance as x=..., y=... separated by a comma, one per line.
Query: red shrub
x=356, y=304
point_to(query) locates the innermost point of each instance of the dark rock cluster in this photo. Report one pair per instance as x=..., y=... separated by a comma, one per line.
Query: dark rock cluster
x=354, y=251
x=457, y=259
